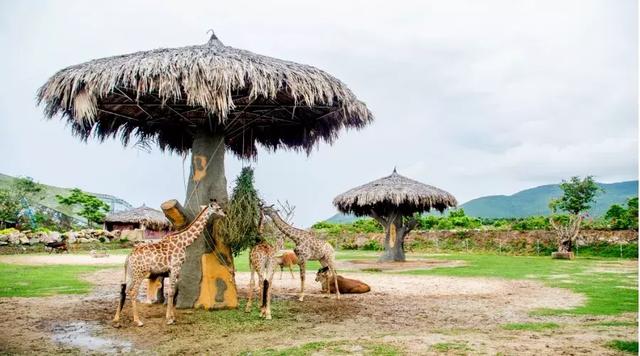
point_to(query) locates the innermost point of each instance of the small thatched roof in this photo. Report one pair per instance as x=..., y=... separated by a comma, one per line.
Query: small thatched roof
x=153, y=219
x=166, y=95
x=393, y=193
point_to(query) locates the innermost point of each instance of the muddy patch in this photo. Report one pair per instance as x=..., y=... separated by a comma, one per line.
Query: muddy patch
x=80, y=335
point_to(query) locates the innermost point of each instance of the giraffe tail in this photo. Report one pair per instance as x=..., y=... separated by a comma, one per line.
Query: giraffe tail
x=265, y=292
x=123, y=285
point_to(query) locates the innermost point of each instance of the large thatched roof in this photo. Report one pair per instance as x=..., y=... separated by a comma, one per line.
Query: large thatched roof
x=165, y=95
x=393, y=193
x=151, y=218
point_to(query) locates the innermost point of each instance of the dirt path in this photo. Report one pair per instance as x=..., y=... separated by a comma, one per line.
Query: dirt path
x=410, y=312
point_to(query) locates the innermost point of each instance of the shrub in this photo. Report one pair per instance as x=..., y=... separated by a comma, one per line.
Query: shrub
x=372, y=245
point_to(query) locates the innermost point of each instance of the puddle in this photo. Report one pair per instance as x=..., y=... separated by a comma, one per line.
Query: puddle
x=79, y=334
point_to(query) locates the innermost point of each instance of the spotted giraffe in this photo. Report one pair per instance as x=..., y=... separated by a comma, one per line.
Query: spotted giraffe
x=164, y=257
x=262, y=261
x=308, y=248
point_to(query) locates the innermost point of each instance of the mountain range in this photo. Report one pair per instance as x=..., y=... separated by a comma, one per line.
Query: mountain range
x=533, y=201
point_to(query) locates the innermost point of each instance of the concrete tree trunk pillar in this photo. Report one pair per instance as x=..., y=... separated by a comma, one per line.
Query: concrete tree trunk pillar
x=395, y=233
x=207, y=275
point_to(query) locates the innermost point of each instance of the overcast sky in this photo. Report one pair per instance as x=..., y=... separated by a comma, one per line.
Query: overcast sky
x=475, y=97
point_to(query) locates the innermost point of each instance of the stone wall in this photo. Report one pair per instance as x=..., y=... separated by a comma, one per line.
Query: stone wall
x=502, y=240
x=72, y=237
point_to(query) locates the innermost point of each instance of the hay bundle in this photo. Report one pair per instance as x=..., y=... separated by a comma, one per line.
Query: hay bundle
x=240, y=227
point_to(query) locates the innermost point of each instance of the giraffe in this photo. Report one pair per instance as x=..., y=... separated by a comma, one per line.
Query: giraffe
x=164, y=257
x=308, y=248
x=262, y=261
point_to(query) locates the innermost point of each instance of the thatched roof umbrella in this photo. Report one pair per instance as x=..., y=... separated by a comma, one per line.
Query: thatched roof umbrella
x=143, y=215
x=392, y=201
x=204, y=99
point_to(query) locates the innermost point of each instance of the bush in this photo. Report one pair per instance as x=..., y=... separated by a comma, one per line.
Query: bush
x=8, y=231
x=372, y=245
x=531, y=223
x=365, y=225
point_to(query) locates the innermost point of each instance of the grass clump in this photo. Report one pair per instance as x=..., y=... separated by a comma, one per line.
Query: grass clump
x=455, y=347
x=345, y=347
x=530, y=326
x=614, y=323
x=40, y=281
x=624, y=346
x=230, y=321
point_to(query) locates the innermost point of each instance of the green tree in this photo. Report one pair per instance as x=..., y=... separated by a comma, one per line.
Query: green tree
x=620, y=218
x=91, y=208
x=578, y=196
x=23, y=192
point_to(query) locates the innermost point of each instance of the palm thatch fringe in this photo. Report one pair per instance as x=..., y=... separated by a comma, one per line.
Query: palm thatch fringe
x=163, y=95
x=151, y=218
x=394, y=193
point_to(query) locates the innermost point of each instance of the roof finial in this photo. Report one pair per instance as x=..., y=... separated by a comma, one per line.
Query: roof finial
x=213, y=40
x=394, y=170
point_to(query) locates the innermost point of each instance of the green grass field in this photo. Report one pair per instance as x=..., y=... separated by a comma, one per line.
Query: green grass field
x=608, y=292
x=40, y=281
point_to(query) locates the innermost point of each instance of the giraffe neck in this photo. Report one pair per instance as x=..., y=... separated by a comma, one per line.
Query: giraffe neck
x=196, y=227
x=288, y=230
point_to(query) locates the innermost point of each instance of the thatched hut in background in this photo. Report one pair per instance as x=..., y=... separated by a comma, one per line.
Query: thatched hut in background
x=140, y=223
x=392, y=201
x=204, y=100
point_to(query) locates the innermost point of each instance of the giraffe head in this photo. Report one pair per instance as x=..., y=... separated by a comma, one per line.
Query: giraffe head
x=213, y=209
x=268, y=210
x=322, y=274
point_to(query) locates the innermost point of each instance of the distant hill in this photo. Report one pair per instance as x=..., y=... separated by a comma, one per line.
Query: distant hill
x=50, y=201
x=534, y=201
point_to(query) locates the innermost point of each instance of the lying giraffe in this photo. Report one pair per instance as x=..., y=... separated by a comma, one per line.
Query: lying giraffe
x=163, y=257
x=308, y=248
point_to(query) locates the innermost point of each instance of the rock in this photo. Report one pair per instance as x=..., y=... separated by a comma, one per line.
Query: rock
x=71, y=236
x=2, y=243
x=14, y=238
x=24, y=240
x=82, y=240
x=34, y=241
x=562, y=255
x=54, y=236
x=4, y=238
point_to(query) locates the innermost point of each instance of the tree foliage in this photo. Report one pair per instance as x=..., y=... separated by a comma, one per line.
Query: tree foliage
x=239, y=228
x=91, y=208
x=620, y=218
x=578, y=195
x=22, y=193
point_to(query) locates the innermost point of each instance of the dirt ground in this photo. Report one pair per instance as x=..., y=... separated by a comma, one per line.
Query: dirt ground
x=411, y=313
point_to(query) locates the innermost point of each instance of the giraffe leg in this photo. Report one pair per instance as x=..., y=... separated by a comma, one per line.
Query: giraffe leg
x=262, y=290
x=334, y=273
x=250, y=297
x=128, y=280
x=302, y=270
x=133, y=295
x=268, y=311
x=173, y=282
x=281, y=268
x=290, y=271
